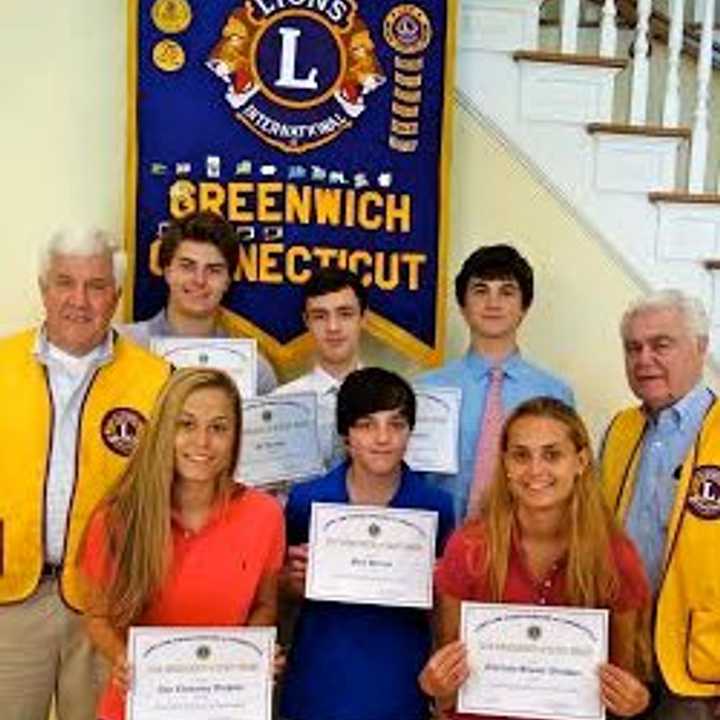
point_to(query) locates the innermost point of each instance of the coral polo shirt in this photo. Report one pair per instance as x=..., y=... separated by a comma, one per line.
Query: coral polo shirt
x=214, y=575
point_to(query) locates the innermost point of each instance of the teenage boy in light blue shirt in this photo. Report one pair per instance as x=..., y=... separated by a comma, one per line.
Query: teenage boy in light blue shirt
x=494, y=290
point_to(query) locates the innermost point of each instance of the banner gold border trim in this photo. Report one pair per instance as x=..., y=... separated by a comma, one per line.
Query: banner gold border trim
x=292, y=352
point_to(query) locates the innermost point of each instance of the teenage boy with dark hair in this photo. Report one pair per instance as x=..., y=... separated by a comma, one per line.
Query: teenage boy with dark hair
x=354, y=661
x=334, y=304
x=494, y=290
x=198, y=256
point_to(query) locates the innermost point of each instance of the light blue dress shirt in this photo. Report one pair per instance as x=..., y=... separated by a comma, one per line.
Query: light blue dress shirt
x=471, y=373
x=667, y=439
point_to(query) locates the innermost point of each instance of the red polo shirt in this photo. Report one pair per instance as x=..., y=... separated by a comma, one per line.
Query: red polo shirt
x=459, y=575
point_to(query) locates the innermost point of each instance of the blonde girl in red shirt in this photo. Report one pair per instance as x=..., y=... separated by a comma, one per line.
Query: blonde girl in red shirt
x=545, y=536
x=178, y=541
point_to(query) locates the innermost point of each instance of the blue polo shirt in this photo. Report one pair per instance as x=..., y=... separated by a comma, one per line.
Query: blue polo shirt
x=358, y=662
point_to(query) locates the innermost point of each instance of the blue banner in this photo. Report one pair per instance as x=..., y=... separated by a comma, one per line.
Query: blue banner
x=320, y=129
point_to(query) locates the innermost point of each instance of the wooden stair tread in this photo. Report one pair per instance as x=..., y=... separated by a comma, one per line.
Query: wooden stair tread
x=641, y=130
x=686, y=198
x=569, y=59
x=583, y=24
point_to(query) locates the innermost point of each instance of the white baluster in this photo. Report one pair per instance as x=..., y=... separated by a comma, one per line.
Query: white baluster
x=570, y=13
x=671, y=105
x=638, y=98
x=699, y=145
x=608, y=30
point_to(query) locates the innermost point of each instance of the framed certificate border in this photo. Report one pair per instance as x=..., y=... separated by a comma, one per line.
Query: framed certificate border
x=324, y=515
x=259, y=640
x=528, y=636
x=204, y=136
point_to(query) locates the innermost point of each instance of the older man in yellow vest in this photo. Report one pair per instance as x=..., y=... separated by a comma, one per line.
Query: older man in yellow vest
x=74, y=395
x=661, y=475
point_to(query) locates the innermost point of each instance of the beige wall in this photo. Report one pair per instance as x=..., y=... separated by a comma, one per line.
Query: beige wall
x=62, y=117
x=580, y=290
x=61, y=142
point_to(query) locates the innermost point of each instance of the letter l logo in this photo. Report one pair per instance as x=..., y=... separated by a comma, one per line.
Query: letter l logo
x=288, y=56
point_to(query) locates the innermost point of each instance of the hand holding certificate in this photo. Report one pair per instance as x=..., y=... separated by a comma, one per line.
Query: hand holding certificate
x=200, y=673
x=533, y=662
x=381, y=556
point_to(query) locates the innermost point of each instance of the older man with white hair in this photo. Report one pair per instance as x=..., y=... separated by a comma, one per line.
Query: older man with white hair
x=74, y=396
x=661, y=475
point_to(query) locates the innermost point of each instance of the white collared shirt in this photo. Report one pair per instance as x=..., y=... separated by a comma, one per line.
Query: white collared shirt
x=325, y=386
x=69, y=378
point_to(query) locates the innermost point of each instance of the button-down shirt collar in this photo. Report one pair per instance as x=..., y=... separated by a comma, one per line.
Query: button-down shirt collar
x=159, y=326
x=319, y=380
x=49, y=354
x=480, y=365
x=682, y=412
x=325, y=383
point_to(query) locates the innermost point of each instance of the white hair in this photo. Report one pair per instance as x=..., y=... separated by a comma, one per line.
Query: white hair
x=83, y=242
x=689, y=307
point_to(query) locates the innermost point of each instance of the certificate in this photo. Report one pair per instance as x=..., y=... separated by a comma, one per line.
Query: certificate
x=200, y=673
x=433, y=445
x=371, y=555
x=279, y=439
x=533, y=661
x=236, y=356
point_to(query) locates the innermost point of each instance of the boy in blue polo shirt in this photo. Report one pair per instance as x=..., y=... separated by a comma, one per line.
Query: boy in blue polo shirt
x=351, y=661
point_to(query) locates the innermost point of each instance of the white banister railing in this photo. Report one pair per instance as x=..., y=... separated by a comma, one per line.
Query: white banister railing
x=569, y=29
x=665, y=21
x=640, y=66
x=671, y=104
x=699, y=146
x=608, y=30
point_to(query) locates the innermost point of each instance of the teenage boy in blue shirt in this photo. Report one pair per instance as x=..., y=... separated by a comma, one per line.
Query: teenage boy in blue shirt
x=354, y=661
x=494, y=290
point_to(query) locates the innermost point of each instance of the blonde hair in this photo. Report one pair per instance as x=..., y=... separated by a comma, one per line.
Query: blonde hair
x=138, y=508
x=592, y=578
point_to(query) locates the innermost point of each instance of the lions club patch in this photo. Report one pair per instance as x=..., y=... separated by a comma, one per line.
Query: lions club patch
x=120, y=430
x=296, y=75
x=704, y=496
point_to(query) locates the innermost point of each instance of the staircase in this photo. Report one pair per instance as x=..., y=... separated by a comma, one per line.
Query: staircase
x=629, y=141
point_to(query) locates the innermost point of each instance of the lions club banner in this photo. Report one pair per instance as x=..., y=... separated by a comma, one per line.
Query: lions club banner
x=320, y=129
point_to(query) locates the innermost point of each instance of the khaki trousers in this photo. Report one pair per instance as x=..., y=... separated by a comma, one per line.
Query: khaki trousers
x=45, y=652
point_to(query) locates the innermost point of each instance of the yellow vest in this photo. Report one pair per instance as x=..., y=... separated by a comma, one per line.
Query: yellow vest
x=687, y=619
x=120, y=397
